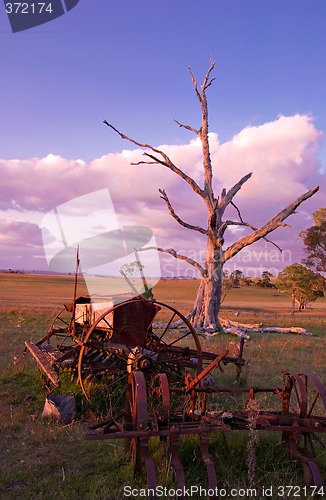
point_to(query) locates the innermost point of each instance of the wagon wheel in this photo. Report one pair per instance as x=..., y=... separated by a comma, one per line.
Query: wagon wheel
x=61, y=330
x=304, y=396
x=174, y=344
x=101, y=367
x=101, y=360
x=295, y=395
x=136, y=413
x=138, y=335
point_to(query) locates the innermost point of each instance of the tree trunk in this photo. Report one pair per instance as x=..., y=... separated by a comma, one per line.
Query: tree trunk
x=301, y=303
x=208, y=300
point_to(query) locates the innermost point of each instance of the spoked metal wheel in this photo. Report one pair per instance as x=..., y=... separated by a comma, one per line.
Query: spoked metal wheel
x=304, y=397
x=60, y=329
x=138, y=334
x=174, y=344
x=102, y=368
x=115, y=336
x=55, y=350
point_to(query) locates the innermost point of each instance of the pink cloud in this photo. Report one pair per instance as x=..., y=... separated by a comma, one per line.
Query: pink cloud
x=282, y=155
x=20, y=245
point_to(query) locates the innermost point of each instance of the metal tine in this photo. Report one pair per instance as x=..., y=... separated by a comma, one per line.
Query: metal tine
x=208, y=462
x=151, y=477
x=308, y=463
x=176, y=463
x=149, y=466
x=171, y=442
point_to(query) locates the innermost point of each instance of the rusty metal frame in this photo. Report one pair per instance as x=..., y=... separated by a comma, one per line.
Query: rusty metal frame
x=302, y=422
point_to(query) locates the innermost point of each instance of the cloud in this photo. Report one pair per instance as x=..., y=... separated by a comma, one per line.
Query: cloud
x=19, y=233
x=282, y=155
x=20, y=245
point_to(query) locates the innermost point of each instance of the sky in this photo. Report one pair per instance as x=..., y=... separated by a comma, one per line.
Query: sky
x=127, y=62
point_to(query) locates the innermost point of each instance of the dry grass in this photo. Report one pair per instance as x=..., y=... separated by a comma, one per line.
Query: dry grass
x=40, y=459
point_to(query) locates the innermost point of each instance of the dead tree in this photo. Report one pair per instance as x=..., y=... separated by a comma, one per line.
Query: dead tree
x=207, y=305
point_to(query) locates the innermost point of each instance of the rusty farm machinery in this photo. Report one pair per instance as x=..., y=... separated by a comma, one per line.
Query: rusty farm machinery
x=106, y=339
x=162, y=384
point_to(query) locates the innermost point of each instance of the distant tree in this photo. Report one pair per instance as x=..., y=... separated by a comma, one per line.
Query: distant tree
x=129, y=271
x=314, y=240
x=319, y=216
x=208, y=300
x=265, y=280
x=247, y=281
x=236, y=277
x=303, y=284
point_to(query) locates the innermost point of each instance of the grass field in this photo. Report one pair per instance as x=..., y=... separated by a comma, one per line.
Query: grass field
x=44, y=459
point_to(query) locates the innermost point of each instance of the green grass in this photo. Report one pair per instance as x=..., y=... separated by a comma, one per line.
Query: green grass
x=46, y=459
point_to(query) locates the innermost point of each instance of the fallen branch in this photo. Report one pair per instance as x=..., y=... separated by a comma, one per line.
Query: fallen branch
x=275, y=329
x=242, y=329
x=228, y=322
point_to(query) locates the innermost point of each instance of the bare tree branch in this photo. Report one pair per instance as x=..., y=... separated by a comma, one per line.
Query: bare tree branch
x=228, y=197
x=208, y=190
x=164, y=197
x=270, y=226
x=238, y=211
x=255, y=228
x=146, y=163
x=207, y=80
x=166, y=161
x=194, y=84
x=140, y=144
x=176, y=255
x=246, y=224
x=187, y=127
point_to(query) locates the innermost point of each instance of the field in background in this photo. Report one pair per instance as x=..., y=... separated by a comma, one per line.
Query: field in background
x=41, y=459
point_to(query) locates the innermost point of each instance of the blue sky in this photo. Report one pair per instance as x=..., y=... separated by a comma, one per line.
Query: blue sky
x=128, y=62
